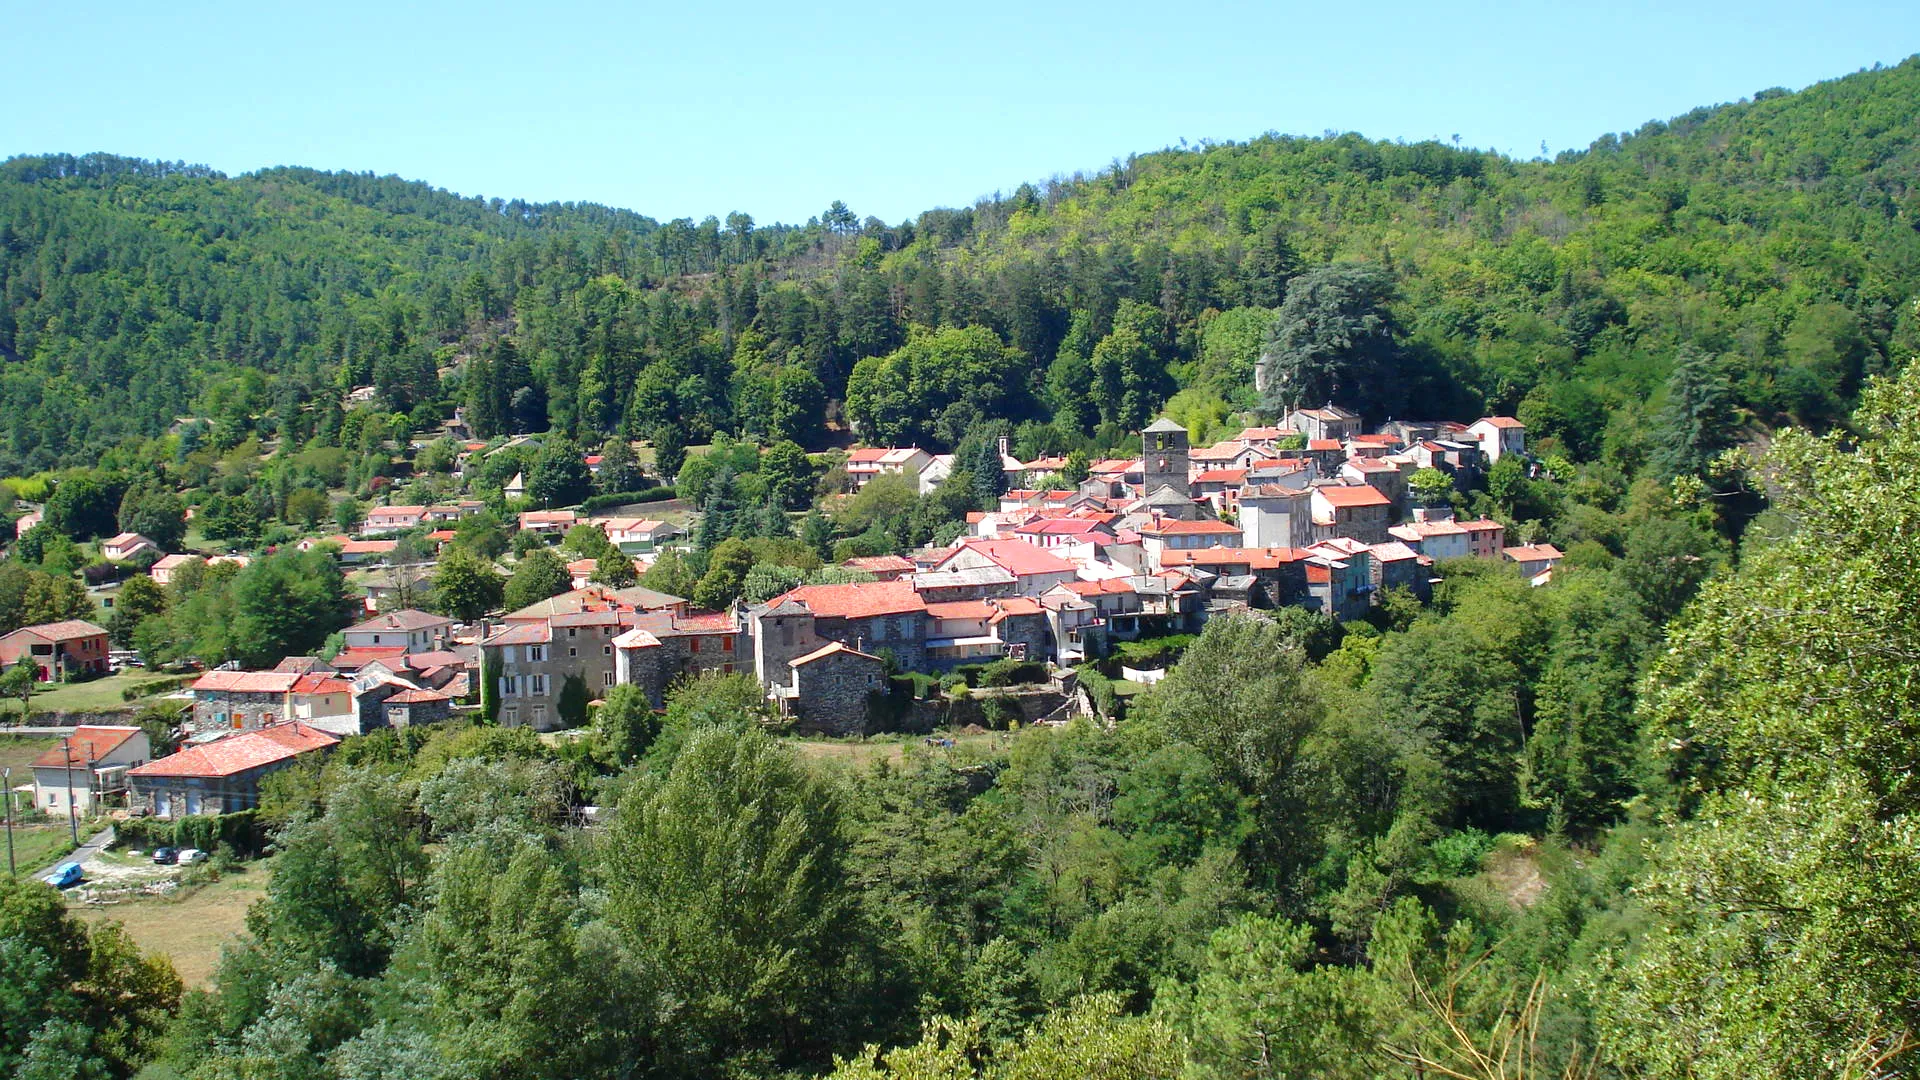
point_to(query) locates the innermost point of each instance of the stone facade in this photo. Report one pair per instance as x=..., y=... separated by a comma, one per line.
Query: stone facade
x=830, y=690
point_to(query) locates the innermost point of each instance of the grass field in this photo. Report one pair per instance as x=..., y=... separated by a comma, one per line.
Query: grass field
x=892, y=748
x=18, y=751
x=37, y=846
x=190, y=926
x=98, y=695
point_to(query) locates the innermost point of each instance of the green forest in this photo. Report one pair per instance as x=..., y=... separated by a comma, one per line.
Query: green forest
x=1650, y=821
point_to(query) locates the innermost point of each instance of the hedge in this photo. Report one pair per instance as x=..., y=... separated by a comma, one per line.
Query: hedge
x=242, y=832
x=621, y=498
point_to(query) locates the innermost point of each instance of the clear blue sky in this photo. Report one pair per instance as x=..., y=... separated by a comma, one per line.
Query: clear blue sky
x=689, y=109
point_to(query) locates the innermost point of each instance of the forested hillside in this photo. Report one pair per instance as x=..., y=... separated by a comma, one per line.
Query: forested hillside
x=1776, y=235
x=1647, y=813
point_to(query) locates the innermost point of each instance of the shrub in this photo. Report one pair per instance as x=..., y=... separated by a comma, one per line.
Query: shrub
x=1011, y=672
x=622, y=498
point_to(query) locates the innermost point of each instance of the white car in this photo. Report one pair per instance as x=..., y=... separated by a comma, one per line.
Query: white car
x=188, y=856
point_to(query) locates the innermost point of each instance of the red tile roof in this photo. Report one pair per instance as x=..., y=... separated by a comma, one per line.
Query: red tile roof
x=241, y=753
x=354, y=658
x=320, y=682
x=87, y=744
x=1323, y=444
x=1017, y=557
x=1533, y=553
x=1221, y=476
x=1501, y=421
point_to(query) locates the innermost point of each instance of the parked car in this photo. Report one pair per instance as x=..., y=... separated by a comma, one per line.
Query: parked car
x=165, y=856
x=190, y=855
x=64, y=876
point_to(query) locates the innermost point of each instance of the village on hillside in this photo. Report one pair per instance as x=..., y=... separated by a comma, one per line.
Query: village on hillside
x=1313, y=512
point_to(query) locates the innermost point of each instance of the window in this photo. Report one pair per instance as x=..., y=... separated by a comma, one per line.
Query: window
x=607, y=679
x=539, y=715
x=535, y=654
x=727, y=643
x=606, y=650
x=571, y=651
x=539, y=687
x=572, y=630
x=694, y=645
x=510, y=716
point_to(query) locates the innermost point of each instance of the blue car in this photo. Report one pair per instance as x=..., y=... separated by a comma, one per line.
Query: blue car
x=64, y=876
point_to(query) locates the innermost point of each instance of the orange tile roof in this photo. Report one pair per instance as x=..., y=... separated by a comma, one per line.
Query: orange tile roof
x=1533, y=553
x=241, y=753
x=1323, y=444
x=87, y=743
x=64, y=630
x=1352, y=497
x=858, y=600
x=830, y=649
x=414, y=697
x=1253, y=558
x=879, y=564
x=1103, y=587
x=246, y=682
x=1221, y=476
x=1500, y=421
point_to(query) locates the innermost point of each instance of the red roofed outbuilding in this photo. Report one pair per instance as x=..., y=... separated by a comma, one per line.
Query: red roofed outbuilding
x=223, y=776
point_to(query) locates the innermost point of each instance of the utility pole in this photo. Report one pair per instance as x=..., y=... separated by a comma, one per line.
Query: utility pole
x=73, y=820
x=6, y=791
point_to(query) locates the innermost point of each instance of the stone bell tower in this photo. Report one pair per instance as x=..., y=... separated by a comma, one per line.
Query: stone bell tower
x=1163, y=457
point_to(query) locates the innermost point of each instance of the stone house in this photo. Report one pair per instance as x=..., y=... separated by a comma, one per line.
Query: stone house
x=1382, y=475
x=1357, y=511
x=94, y=760
x=869, y=616
x=1397, y=566
x=1327, y=422
x=410, y=708
x=829, y=690
x=223, y=776
x=240, y=700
